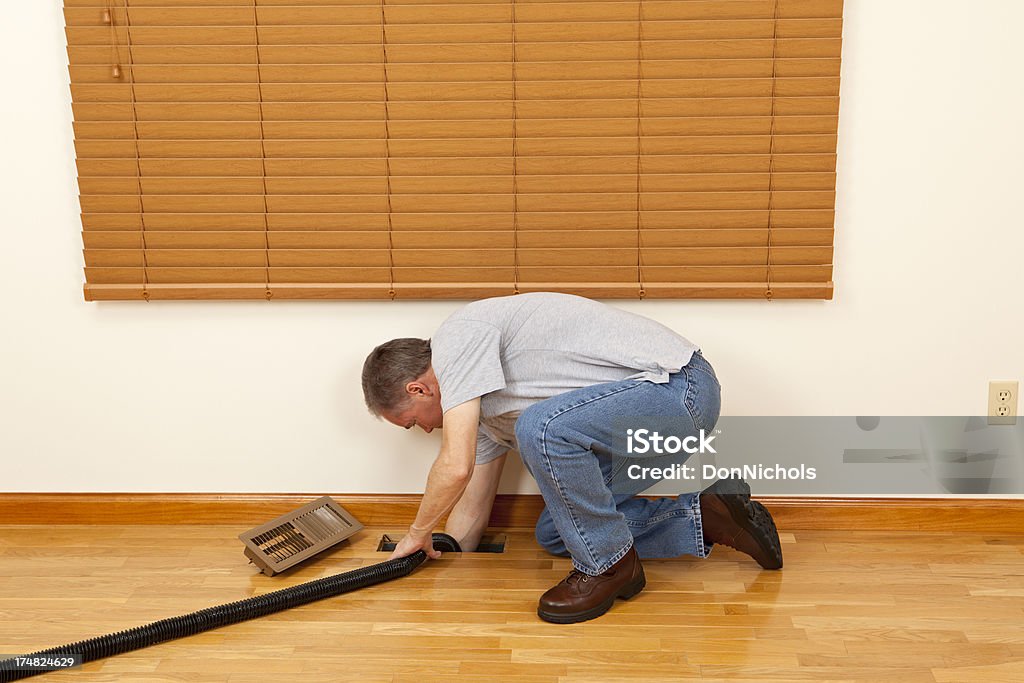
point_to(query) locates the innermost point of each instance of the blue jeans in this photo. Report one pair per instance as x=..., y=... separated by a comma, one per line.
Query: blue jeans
x=567, y=444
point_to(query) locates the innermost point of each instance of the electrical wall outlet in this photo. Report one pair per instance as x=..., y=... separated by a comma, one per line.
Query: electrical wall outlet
x=1002, y=403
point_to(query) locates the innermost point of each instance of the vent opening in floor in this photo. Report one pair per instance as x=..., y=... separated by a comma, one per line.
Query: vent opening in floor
x=489, y=543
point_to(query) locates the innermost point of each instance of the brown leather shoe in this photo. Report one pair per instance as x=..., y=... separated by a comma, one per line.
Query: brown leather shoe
x=730, y=518
x=580, y=597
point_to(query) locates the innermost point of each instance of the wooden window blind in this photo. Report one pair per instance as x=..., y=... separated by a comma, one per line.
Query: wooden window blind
x=425, y=149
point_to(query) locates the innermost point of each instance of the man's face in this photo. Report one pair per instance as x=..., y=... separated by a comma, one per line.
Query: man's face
x=423, y=408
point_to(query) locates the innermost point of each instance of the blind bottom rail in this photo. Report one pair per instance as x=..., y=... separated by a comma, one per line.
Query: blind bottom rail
x=346, y=291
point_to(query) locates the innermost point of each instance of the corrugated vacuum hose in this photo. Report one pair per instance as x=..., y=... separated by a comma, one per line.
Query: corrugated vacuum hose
x=231, y=613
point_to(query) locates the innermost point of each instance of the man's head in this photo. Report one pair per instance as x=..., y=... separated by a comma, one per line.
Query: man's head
x=399, y=384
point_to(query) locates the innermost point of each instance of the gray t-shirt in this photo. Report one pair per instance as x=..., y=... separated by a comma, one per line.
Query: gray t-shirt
x=517, y=350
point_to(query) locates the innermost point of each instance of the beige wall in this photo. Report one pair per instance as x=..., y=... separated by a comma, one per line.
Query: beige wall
x=265, y=397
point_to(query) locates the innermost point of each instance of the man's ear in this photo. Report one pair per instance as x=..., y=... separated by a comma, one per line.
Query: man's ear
x=421, y=386
x=417, y=388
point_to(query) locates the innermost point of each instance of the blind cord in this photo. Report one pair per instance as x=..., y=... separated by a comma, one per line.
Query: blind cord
x=515, y=155
x=771, y=156
x=138, y=161
x=642, y=292
x=387, y=152
x=263, y=155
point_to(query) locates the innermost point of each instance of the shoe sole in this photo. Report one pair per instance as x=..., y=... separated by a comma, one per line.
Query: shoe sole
x=764, y=531
x=751, y=516
x=626, y=593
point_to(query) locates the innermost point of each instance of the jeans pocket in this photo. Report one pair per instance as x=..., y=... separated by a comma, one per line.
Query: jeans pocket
x=703, y=397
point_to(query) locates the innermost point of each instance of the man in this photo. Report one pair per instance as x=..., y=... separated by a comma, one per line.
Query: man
x=554, y=376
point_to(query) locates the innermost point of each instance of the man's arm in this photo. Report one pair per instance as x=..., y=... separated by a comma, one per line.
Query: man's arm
x=469, y=517
x=448, y=478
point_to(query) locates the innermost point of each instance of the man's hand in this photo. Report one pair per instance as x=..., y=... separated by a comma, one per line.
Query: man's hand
x=415, y=540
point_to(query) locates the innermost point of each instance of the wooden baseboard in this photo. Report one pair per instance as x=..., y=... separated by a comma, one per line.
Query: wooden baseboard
x=520, y=510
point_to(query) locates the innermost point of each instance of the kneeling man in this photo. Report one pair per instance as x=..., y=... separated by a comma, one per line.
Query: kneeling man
x=551, y=375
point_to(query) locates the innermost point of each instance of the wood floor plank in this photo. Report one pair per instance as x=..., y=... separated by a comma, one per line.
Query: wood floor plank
x=1008, y=672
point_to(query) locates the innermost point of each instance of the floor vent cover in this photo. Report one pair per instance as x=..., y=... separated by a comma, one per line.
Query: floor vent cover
x=298, y=535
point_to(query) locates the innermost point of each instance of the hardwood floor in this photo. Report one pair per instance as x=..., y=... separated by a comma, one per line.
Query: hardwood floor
x=869, y=606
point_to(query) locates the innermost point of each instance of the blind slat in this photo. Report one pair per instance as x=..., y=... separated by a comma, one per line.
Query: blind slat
x=457, y=91
x=464, y=149
x=526, y=32
x=561, y=274
x=499, y=70
x=458, y=129
x=549, y=220
x=326, y=185
x=785, y=49
x=397, y=14
x=456, y=203
x=454, y=110
x=440, y=239
x=282, y=13
x=455, y=258
x=549, y=165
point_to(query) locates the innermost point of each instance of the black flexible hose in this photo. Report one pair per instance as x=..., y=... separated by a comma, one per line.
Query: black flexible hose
x=231, y=613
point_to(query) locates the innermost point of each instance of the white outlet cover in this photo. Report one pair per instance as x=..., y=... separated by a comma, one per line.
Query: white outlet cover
x=1002, y=402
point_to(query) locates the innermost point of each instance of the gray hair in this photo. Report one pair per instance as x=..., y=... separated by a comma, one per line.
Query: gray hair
x=391, y=366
